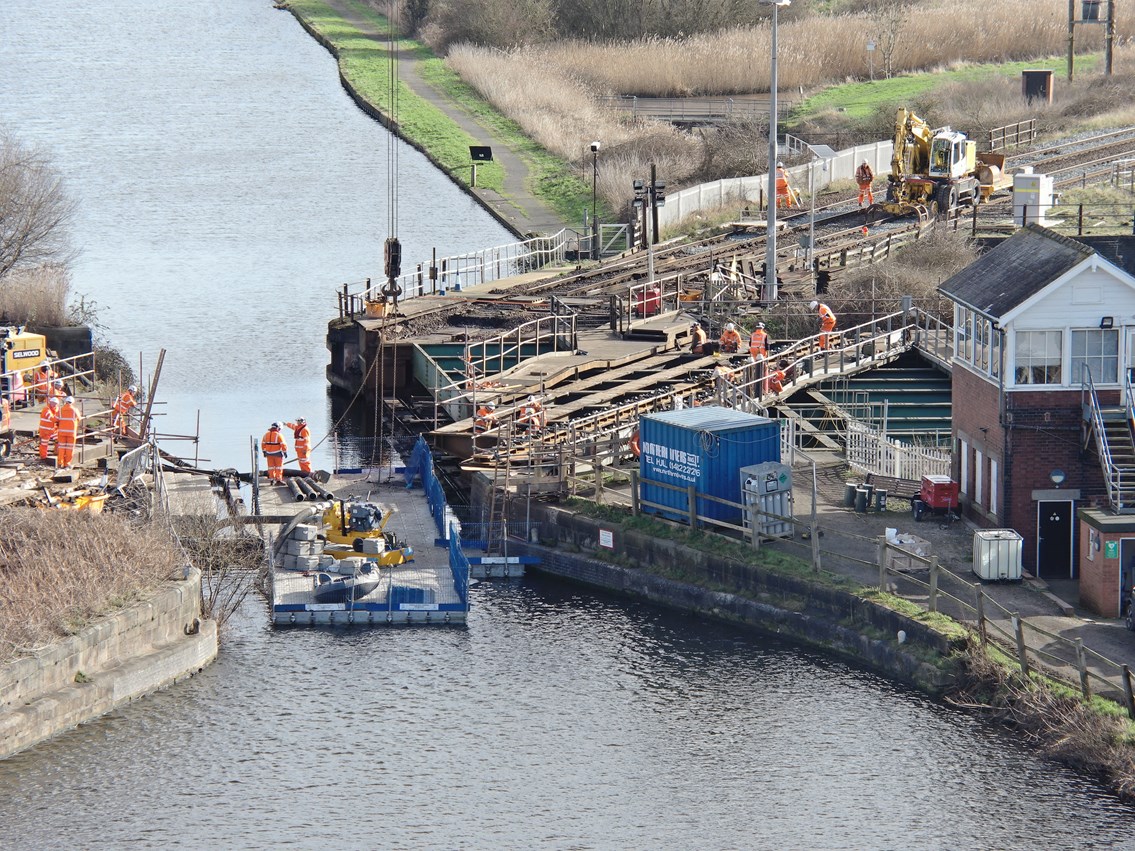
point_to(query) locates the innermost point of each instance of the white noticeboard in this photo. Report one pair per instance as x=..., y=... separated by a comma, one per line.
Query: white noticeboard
x=607, y=539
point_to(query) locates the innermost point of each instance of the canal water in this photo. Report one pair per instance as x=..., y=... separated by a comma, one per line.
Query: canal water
x=226, y=187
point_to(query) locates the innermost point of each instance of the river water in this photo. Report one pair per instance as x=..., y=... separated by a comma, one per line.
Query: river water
x=227, y=185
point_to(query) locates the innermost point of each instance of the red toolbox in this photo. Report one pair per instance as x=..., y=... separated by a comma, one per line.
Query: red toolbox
x=939, y=492
x=647, y=301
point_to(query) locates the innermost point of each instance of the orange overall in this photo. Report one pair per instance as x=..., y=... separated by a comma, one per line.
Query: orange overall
x=302, y=435
x=121, y=408
x=275, y=450
x=48, y=430
x=730, y=341
x=863, y=177
x=486, y=419
x=827, y=323
x=758, y=344
x=785, y=197
x=65, y=440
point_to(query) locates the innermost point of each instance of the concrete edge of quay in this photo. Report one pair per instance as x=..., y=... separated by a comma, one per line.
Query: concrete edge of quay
x=827, y=619
x=143, y=648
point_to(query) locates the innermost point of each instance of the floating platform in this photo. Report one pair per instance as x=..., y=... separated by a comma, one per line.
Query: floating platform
x=431, y=589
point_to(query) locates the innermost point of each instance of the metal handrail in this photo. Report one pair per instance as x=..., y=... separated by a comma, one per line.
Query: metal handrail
x=1088, y=388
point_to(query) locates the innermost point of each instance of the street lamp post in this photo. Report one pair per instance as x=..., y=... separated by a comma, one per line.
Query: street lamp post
x=594, y=201
x=770, y=293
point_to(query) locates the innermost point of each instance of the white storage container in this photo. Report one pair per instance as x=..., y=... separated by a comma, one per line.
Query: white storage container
x=997, y=554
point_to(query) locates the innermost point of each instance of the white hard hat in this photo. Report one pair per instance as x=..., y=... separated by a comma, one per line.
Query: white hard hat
x=814, y=305
x=490, y=405
x=275, y=425
x=133, y=388
x=301, y=421
x=780, y=165
x=865, y=162
x=760, y=325
x=729, y=326
x=53, y=401
x=69, y=400
x=58, y=382
x=531, y=400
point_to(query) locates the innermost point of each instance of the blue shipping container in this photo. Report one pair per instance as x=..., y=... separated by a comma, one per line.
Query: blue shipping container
x=705, y=447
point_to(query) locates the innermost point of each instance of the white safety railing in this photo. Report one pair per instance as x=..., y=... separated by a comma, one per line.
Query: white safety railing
x=751, y=190
x=871, y=451
x=460, y=270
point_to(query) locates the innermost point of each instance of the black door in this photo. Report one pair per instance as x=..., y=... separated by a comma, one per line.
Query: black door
x=1054, y=540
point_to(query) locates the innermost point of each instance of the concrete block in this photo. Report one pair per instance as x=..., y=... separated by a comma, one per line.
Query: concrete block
x=305, y=533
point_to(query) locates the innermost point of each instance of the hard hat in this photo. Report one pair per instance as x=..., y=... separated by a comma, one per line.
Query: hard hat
x=813, y=305
x=780, y=165
x=729, y=326
x=275, y=426
x=301, y=421
x=491, y=405
x=760, y=325
x=69, y=400
x=695, y=324
x=57, y=382
x=133, y=388
x=865, y=162
x=53, y=401
x=531, y=400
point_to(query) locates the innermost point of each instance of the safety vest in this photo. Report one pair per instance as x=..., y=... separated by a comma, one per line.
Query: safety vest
x=781, y=182
x=273, y=443
x=48, y=423
x=68, y=421
x=758, y=343
x=124, y=402
x=863, y=174
x=730, y=340
x=485, y=419
x=302, y=436
x=826, y=315
x=776, y=382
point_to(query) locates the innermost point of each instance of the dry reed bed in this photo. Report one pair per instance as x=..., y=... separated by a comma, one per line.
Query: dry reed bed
x=59, y=569
x=37, y=296
x=816, y=51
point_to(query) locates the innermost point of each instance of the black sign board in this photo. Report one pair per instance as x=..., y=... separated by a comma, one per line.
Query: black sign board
x=481, y=153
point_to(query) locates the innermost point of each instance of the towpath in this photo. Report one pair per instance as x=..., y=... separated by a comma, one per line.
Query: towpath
x=518, y=208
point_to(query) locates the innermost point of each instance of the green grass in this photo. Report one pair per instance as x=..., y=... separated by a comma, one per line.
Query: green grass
x=860, y=100
x=365, y=62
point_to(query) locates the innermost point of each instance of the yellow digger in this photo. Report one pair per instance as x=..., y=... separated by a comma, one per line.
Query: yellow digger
x=355, y=528
x=934, y=172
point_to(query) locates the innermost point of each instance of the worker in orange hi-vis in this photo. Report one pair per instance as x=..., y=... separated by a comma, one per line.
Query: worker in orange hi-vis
x=827, y=321
x=486, y=417
x=777, y=379
x=48, y=427
x=275, y=450
x=863, y=177
x=68, y=430
x=785, y=194
x=730, y=339
x=41, y=382
x=122, y=407
x=56, y=389
x=302, y=435
x=758, y=342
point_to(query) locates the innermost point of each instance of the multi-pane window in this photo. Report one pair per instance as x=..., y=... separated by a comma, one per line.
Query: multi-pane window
x=1038, y=357
x=1099, y=351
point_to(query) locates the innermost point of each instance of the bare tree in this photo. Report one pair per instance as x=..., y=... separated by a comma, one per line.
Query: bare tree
x=35, y=211
x=890, y=17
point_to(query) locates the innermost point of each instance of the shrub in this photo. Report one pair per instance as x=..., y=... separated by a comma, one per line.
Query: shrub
x=36, y=295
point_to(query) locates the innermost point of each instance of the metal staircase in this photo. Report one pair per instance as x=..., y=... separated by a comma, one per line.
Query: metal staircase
x=1115, y=444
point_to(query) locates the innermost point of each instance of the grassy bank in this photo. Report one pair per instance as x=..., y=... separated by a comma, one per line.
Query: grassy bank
x=365, y=64
x=1094, y=736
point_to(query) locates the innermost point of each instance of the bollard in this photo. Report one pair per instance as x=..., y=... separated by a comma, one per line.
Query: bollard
x=849, y=494
x=880, y=500
x=861, y=500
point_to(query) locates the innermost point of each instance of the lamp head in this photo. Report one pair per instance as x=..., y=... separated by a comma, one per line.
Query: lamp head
x=594, y=147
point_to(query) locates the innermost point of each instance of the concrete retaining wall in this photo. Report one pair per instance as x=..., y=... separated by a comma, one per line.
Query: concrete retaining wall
x=138, y=650
x=823, y=617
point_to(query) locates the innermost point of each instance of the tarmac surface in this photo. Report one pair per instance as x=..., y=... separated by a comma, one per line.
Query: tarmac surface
x=517, y=208
x=1053, y=605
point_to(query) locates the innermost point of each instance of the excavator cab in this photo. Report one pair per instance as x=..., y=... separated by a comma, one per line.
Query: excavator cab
x=952, y=155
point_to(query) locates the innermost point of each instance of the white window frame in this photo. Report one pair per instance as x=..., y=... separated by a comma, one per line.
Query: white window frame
x=993, y=487
x=978, y=478
x=1046, y=362
x=965, y=467
x=1075, y=363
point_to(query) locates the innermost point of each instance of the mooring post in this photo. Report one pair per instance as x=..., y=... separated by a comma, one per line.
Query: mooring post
x=981, y=615
x=1082, y=664
x=634, y=493
x=881, y=554
x=1128, y=696
x=1022, y=653
x=932, y=603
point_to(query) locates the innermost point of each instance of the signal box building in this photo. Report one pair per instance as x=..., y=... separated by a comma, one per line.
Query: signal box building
x=1044, y=339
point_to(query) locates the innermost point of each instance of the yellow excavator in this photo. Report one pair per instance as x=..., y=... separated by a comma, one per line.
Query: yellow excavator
x=934, y=172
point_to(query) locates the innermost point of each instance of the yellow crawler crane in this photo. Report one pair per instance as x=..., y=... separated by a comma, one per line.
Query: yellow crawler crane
x=934, y=172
